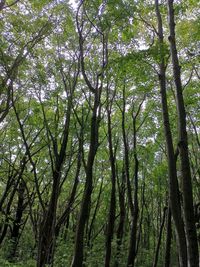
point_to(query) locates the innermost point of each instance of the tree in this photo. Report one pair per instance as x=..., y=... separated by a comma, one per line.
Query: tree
x=183, y=148
x=175, y=204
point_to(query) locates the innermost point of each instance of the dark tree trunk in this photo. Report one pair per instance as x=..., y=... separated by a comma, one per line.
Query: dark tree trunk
x=7, y=213
x=111, y=216
x=15, y=233
x=120, y=229
x=191, y=234
x=168, y=239
x=10, y=182
x=142, y=210
x=65, y=216
x=110, y=227
x=47, y=229
x=94, y=136
x=174, y=197
x=133, y=205
x=85, y=204
x=13, y=181
x=133, y=239
x=91, y=226
x=126, y=156
x=155, y=262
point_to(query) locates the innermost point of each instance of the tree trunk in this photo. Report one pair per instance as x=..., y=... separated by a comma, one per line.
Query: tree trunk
x=174, y=197
x=91, y=226
x=126, y=156
x=168, y=239
x=133, y=239
x=120, y=229
x=191, y=234
x=111, y=216
x=155, y=262
x=47, y=229
x=65, y=216
x=85, y=204
x=7, y=212
x=17, y=222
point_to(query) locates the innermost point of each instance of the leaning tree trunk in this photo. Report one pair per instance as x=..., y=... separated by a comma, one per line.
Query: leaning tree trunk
x=91, y=226
x=191, y=233
x=13, y=181
x=7, y=213
x=155, y=262
x=174, y=198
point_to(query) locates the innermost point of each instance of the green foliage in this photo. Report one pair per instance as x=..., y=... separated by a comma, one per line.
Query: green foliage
x=42, y=77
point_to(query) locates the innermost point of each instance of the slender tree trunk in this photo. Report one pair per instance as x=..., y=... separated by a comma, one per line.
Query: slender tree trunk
x=7, y=212
x=110, y=226
x=85, y=204
x=111, y=216
x=191, y=234
x=13, y=180
x=168, y=239
x=174, y=197
x=133, y=206
x=91, y=226
x=120, y=229
x=94, y=135
x=133, y=239
x=17, y=222
x=10, y=182
x=47, y=229
x=142, y=214
x=155, y=262
x=126, y=156
x=65, y=216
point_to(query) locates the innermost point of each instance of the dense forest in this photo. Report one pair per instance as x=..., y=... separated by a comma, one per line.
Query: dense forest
x=99, y=133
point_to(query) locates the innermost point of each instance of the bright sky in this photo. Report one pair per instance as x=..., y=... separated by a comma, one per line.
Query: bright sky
x=73, y=3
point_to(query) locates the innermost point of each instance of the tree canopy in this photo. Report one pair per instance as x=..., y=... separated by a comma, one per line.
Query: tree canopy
x=99, y=133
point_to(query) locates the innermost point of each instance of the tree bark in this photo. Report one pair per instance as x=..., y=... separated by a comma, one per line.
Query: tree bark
x=191, y=234
x=126, y=156
x=85, y=204
x=120, y=229
x=47, y=228
x=111, y=216
x=7, y=212
x=155, y=262
x=168, y=239
x=91, y=226
x=15, y=233
x=47, y=231
x=94, y=142
x=174, y=197
x=133, y=239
